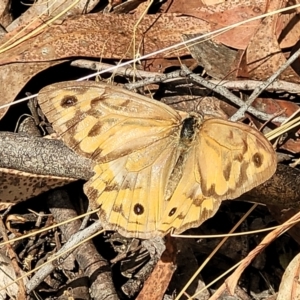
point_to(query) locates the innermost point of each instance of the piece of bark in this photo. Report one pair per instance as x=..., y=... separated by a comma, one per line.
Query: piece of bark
x=42, y=156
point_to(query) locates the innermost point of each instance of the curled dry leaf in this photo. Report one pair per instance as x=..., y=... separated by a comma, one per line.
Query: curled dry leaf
x=289, y=288
x=224, y=14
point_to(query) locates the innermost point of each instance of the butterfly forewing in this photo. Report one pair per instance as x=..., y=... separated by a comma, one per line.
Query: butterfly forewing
x=109, y=122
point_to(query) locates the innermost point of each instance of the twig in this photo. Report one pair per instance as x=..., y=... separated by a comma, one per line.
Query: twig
x=94, y=266
x=127, y=71
x=224, y=92
x=41, y=156
x=249, y=85
x=260, y=88
x=73, y=241
x=157, y=79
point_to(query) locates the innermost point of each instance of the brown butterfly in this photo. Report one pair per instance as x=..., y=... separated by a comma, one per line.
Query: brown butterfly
x=156, y=169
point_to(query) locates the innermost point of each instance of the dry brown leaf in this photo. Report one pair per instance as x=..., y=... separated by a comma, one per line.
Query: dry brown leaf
x=216, y=59
x=288, y=29
x=224, y=14
x=157, y=283
x=105, y=36
x=20, y=32
x=286, y=109
x=5, y=14
x=17, y=186
x=239, y=37
x=289, y=288
x=15, y=76
x=264, y=55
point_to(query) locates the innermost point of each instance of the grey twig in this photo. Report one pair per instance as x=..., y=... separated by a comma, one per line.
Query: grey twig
x=234, y=99
x=260, y=88
x=73, y=241
x=247, y=85
x=41, y=156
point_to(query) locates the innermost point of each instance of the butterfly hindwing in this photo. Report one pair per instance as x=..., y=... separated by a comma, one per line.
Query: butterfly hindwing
x=233, y=162
x=130, y=191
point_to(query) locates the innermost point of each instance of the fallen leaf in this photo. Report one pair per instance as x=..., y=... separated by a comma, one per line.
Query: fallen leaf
x=106, y=36
x=289, y=288
x=52, y=8
x=264, y=55
x=224, y=14
x=157, y=283
x=15, y=76
x=17, y=186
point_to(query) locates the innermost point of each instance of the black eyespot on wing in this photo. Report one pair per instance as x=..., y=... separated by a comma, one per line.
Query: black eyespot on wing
x=172, y=211
x=68, y=101
x=257, y=159
x=138, y=209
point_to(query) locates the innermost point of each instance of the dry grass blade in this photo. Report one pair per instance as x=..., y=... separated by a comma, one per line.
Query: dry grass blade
x=231, y=282
x=215, y=251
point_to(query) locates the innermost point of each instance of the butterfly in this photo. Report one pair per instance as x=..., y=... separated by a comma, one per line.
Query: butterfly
x=156, y=169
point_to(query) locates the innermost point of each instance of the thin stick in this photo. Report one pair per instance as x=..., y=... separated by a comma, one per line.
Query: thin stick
x=241, y=112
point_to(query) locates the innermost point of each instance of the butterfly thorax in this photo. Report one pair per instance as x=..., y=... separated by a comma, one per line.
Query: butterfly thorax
x=190, y=127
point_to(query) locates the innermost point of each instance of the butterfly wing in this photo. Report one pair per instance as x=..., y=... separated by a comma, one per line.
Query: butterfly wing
x=226, y=160
x=188, y=207
x=130, y=191
x=103, y=122
x=133, y=141
x=233, y=159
